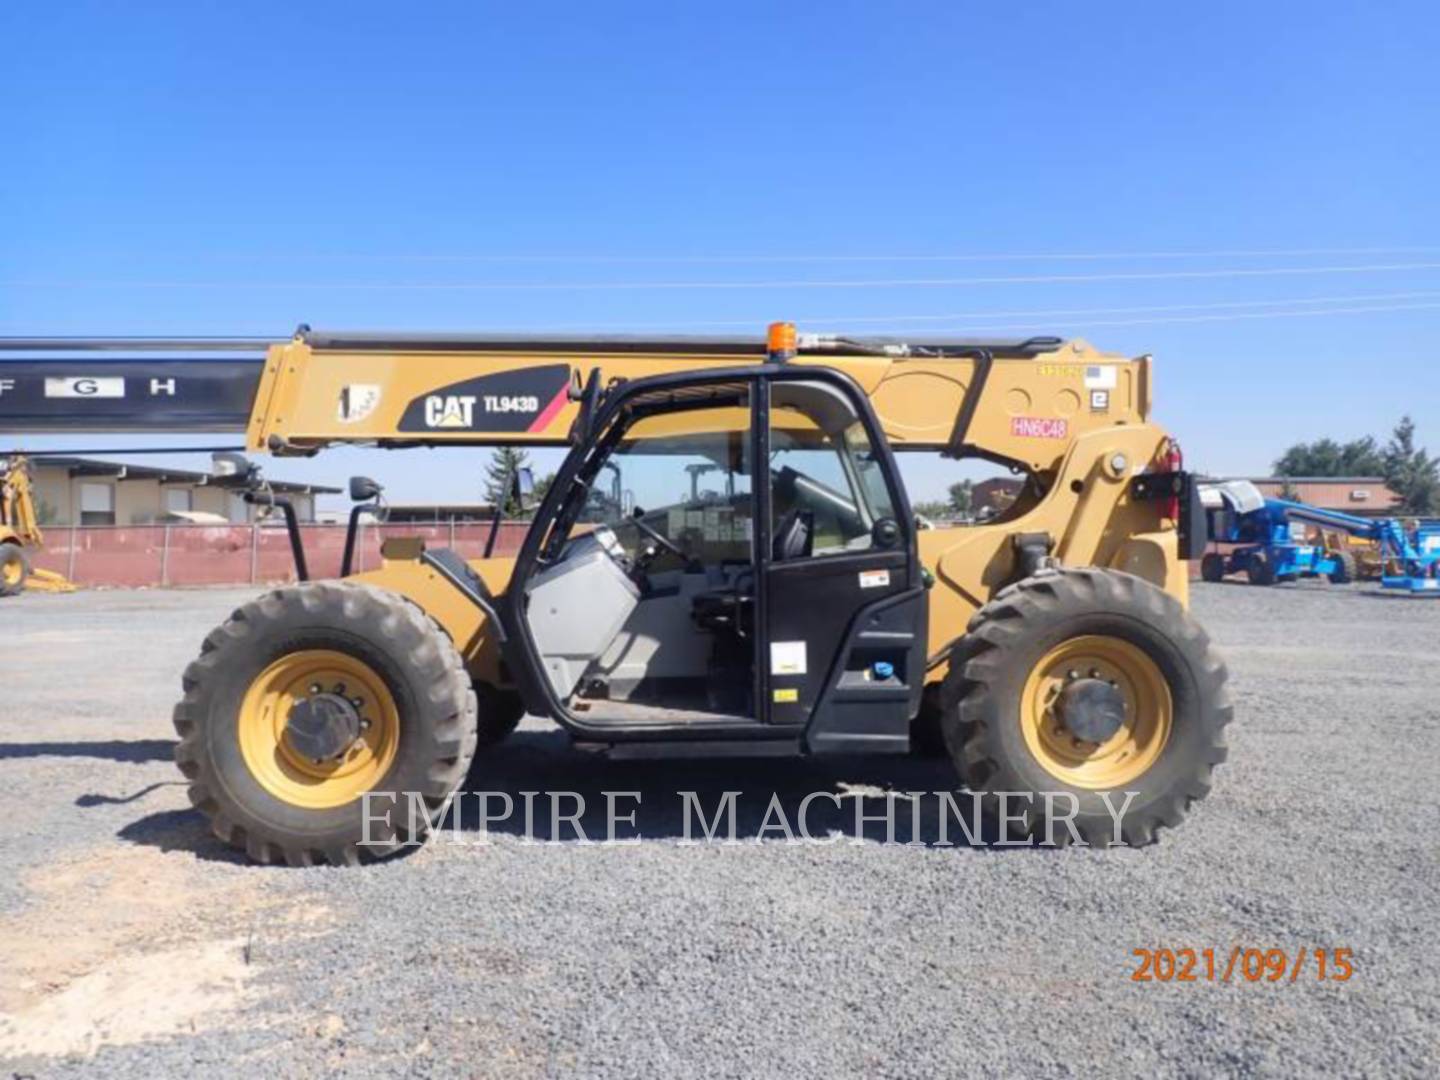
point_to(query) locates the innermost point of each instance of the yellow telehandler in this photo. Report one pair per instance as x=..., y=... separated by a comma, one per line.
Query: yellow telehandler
x=20, y=529
x=725, y=564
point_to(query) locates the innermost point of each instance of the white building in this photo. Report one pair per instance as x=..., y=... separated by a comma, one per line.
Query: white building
x=82, y=491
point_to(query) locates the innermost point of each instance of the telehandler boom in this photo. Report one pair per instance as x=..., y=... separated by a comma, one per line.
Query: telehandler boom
x=725, y=564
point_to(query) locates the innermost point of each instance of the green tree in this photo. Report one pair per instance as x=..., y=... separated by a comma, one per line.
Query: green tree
x=504, y=460
x=1326, y=457
x=960, y=496
x=933, y=509
x=1410, y=472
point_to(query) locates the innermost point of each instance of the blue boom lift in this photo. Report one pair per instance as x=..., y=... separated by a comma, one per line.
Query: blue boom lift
x=1272, y=543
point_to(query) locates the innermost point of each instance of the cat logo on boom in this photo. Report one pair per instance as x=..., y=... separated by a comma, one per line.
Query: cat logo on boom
x=458, y=410
x=509, y=400
x=450, y=411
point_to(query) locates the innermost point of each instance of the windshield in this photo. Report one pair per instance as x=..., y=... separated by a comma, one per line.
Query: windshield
x=693, y=487
x=687, y=473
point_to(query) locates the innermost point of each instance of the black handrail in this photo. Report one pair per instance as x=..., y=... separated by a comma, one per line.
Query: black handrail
x=350, y=534
x=292, y=526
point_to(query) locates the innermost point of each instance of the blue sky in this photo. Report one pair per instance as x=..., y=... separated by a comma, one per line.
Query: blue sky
x=225, y=168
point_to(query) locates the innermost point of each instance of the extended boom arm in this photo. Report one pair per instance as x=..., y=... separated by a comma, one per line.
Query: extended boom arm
x=1018, y=402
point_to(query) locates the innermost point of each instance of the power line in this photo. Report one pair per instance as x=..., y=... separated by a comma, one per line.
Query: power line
x=815, y=320
x=1372, y=302
x=1230, y=317
x=795, y=257
x=612, y=286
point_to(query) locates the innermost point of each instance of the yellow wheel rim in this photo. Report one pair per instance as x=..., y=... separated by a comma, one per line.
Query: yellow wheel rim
x=1126, y=755
x=11, y=571
x=288, y=775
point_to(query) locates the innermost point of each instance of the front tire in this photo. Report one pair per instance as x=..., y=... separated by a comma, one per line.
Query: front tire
x=1212, y=567
x=377, y=664
x=1259, y=569
x=1005, y=698
x=14, y=569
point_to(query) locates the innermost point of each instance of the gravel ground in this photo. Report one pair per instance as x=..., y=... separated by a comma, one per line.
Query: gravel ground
x=132, y=944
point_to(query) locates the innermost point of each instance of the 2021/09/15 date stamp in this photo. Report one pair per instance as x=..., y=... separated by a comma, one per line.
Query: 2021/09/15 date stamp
x=1243, y=964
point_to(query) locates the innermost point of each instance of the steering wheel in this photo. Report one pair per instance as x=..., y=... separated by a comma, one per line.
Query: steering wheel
x=637, y=518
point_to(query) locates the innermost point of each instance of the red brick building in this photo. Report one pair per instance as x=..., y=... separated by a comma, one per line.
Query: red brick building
x=994, y=494
x=1365, y=496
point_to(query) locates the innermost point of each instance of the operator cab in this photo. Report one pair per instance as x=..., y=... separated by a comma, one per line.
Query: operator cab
x=675, y=585
x=648, y=603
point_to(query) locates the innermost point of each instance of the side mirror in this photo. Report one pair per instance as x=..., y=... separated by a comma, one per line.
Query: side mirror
x=589, y=398
x=524, y=488
x=363, y=489
x=885, y=532
x=226, y=464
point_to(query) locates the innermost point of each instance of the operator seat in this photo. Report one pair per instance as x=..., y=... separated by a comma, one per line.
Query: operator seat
x=794, y=536
x=731, y=610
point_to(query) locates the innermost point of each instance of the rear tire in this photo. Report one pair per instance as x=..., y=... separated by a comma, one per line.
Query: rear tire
x=1259, y=569
x=415, y=703
x=1345, y=570
x=1004, y=743
x=1212, y=567
x=14, y=569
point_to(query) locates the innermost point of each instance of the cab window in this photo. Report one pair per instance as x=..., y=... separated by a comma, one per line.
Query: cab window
x=827, y=488
x=691, y=486
x=867, y=467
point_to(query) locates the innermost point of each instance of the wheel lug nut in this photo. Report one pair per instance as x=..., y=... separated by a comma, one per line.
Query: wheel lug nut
x=358, y=702
x=315, y=688
x=340, y=688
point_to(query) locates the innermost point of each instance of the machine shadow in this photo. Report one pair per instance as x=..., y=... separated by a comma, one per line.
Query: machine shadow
x=867, y=799
x=129, y=752
x=181, y=830
x=95, y=798
x=870, y=798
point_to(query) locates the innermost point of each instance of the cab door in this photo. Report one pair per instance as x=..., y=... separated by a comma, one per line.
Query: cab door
x=842, y=604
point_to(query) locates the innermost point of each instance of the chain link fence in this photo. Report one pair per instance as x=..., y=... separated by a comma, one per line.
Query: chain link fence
x=163, y=556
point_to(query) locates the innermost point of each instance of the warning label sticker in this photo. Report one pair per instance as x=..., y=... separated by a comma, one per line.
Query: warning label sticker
x=357, y=402
x=1039, y=427
x=1100, y=376
x=787, y=658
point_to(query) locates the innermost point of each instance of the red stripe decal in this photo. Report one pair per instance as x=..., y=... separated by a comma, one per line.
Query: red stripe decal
x=547, y=414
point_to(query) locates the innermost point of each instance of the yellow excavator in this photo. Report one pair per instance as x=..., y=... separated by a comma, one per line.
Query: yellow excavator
x=726, y=564
x=19, y=530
